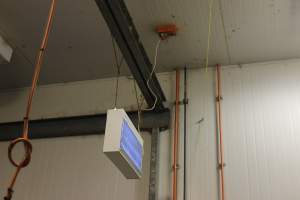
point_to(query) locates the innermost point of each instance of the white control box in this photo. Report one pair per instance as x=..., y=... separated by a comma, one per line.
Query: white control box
x=123, y=145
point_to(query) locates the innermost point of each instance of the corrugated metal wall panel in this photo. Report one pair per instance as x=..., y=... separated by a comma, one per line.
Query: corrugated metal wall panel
x=74, y=168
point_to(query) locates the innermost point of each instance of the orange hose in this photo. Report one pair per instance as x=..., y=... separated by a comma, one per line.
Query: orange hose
x=220, y=132
x=175, y=144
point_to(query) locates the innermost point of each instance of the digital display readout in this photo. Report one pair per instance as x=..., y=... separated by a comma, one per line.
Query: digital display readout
x=131, y=146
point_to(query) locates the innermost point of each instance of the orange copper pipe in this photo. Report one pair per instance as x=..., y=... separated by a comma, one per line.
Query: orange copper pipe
x=38, y=65
x=220, y=135
x=175, y=144
x=24, y=139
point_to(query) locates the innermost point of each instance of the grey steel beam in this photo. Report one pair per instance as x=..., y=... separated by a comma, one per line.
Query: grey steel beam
x=81, y=125
x=123, y=30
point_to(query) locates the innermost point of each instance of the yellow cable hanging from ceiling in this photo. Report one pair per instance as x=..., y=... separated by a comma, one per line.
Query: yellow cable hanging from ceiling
x=209, y=32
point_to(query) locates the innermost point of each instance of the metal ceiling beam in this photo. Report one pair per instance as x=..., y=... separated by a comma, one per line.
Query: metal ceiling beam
x=123, y=30
x=80, y=126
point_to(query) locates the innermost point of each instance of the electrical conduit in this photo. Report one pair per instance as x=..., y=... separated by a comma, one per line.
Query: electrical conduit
x=220, y=135
x=175, y=140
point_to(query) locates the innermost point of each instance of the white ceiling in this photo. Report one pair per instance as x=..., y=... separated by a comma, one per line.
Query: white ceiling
x=243, y=31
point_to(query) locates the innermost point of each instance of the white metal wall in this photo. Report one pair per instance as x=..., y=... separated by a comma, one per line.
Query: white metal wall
x=201, y=138
x=73, y=168
x=261, y=110
x=261, y=126
x=75, y=98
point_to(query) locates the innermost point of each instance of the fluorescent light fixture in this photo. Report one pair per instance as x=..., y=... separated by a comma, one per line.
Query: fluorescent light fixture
x=123, y=145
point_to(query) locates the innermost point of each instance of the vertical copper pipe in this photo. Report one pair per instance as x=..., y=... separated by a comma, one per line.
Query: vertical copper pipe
x=220, y=134
x=175, y=142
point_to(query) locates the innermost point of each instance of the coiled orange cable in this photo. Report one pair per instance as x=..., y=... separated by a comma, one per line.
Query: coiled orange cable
x=24, y=139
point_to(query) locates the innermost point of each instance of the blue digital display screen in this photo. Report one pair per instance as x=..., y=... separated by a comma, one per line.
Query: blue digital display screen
x=131, y=146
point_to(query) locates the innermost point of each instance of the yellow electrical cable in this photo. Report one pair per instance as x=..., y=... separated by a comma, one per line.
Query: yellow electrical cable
x=209, y=33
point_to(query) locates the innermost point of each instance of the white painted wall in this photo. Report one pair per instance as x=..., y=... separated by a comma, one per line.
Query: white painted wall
x=260, y=113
